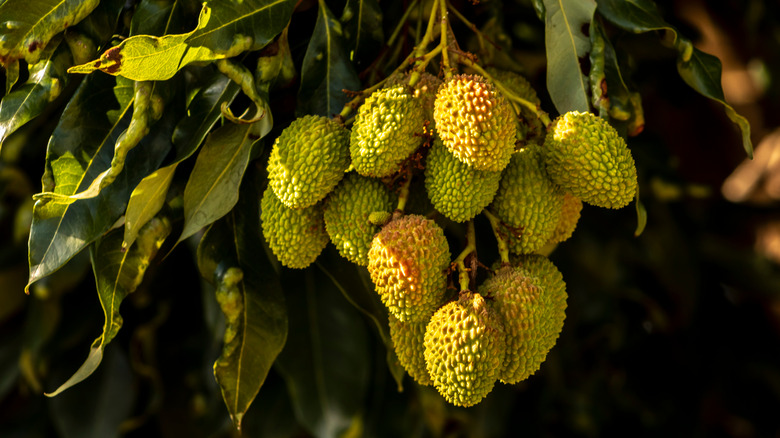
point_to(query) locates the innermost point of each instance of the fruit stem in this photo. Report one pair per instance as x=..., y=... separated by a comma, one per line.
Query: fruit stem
x=428, y=37
x=401, y=23
x=445, y=53
x=495, y=223
x=505, y=91
x=471, y=246
x=421, y=64
x=469, y=24
x=403, y=195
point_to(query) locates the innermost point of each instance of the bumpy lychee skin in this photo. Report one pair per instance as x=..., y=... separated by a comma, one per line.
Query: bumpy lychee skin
x=308, y=159
x=456, y=190
x=347, y=212
x=532, y=129
x=475, y=122
x=296, y=236
x=407, y=340
x=407, y=261
x=464, y=349
x=527, y=202
x=588, y=158
x=570, y=215
x=519, y=301
x=553, y=295
x=424, y=90
x=387, y=129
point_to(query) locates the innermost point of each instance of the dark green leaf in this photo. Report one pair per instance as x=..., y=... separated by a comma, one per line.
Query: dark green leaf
x=249, y=292
x=212, y=189
x=157, y=17
x=362, y=21
x=81, y=147
x=326, y=360
x=47, y=79
x=701, y=71
x=275, y=67
x=118, y=273
x=98, y=407
x=225, y=29
x=566, y=44
x=327, y=70
x=28, y=25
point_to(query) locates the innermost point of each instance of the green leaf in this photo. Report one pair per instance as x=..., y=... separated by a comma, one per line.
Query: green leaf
x=565, y=45
x=225, y=29
x=327, y=70
x=355, y=285
x=212, y=190
x=28, y=25
x=326, y=360
x=363, y=34
x=118, y=273
x=701, y=71
x=146, y=201
x=46, y=81
x=157, y=17
x=80, y=148
x=249, y=292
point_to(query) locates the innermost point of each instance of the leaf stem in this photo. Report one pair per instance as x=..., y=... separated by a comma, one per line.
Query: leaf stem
x=495, y=224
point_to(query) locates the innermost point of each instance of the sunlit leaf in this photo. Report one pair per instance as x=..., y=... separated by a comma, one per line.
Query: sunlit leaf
x=46, y=81
x=28, y=25
x=250, y=295
x=701, y=71
x=327, y=70
x=81, y=147
x=565, y=44
x=118, y=273
x=224, y=30
x=363, y=34
x=212, y=189
x=326, y=360
x=146, y=201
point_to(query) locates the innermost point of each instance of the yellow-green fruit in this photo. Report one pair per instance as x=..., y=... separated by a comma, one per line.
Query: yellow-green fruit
x=347, y=212
x=424, y=90
x=586, y=157
x=527, y=202
x=308, y=159
x=407, y=340
x=553, y=295
x=456, y=190
x=408, y=261
x=295, y=235
x=464, y=349
x=570, y=215
x=518, y=301
x=475, y=122
x=533, y=129
x=387, y=129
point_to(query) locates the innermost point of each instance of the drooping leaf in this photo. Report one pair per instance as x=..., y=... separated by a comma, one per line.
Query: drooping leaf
x=29, y=25
x=243, y=77
x=117, y=274
x=327, y=70
x=362, y=21
x=355, y=285
x=275, y=66
x=81, y=147
x=98, y=407
x=565, y=44
x=46, y=81
x=250, y=295
x=224, y=30
x=701, y=71
x=326, y=360
x=146, y=201
x=212, y=190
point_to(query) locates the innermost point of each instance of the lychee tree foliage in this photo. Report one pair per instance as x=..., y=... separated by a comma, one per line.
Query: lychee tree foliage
x=171, y=124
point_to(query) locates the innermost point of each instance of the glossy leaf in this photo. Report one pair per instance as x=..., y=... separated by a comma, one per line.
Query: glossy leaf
x=118, y=273
x=224, y=30
x=327, y=70
x=46, y=81
x=28, y=25
x=212, y=189
x=275, y=66
x=326, y=360
x=565, y=44
x=250, y=295
x=701, y=71
x=146, y=201
x=362, y=23
x=81, y=147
